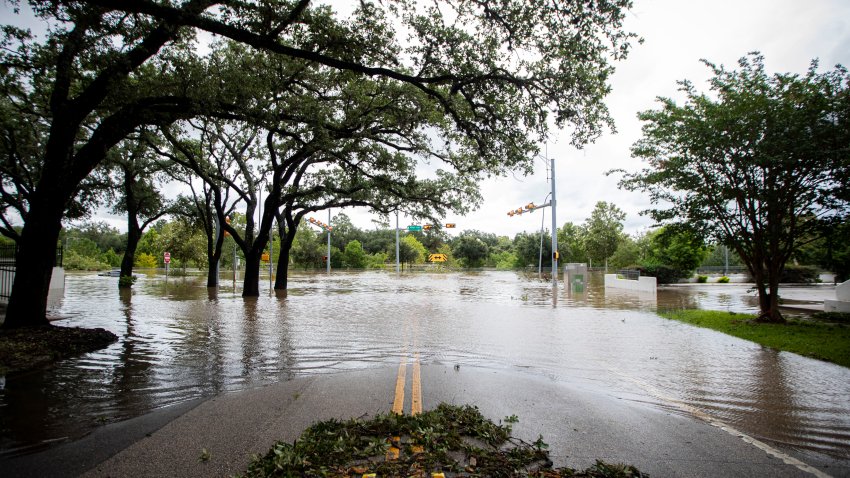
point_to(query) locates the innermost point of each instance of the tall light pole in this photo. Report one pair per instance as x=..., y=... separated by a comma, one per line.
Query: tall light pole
x=396, y=242
x=554, y=228
x=329, y=240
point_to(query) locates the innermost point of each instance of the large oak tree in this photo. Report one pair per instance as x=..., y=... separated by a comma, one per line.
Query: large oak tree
x=106, y=67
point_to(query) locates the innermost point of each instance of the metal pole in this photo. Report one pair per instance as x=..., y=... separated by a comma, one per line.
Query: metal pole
x=540, y=259
x=554, y=228
x=329, y=241
x=396, y=243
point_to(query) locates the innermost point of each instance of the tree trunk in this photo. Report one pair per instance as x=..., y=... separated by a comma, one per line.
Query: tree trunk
x=134, y=234
x=36, y=257
x=251, y=282
x=213, y=258
x=287, y=237
x=768, y=291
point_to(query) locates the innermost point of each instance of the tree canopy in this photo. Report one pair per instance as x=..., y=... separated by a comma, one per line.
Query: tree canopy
x=759, y=163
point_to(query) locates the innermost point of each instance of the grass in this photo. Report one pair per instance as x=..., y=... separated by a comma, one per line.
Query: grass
x=824, y=341
x=454, y=440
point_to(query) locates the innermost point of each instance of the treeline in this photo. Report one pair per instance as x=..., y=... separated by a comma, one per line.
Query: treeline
x=666, y=253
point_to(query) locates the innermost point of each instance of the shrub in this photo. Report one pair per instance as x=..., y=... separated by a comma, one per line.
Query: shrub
x=723, y=280
x=145, y=261
x=662, y=273
x=77, y=262
x=702, y=279
x=799, y=274
x=126, y=281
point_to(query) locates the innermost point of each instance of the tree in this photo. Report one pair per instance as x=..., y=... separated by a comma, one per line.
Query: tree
x=571, y=243
x=353, y=256
x=411, y=251
x=471, y=248
x=105, y=68
x=758, y=164
x=604, y=231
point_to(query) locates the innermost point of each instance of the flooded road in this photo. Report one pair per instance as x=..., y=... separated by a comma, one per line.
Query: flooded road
x=180, y=341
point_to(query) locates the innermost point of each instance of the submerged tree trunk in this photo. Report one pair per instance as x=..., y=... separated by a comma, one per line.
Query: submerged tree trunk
x=251, y=281
x=35, y=260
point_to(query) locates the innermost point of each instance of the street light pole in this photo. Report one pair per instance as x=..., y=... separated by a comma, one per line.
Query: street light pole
x=329, y=240
x=396, y=242
x=554, y=230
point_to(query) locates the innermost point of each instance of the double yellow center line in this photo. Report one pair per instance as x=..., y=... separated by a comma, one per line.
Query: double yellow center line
x=416, y=387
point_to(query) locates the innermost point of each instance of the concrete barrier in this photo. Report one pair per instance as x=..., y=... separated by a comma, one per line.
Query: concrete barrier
x=842, y=299
x=643, y=284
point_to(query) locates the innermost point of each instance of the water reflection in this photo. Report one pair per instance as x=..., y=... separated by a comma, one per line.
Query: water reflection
x=181, y=340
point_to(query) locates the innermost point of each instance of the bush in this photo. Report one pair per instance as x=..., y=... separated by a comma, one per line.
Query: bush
x=799, y=274
x=702, y=279
x=145, y=261
x=663, y=274
x=723, y=280
x=77, y=262
x=126, y=281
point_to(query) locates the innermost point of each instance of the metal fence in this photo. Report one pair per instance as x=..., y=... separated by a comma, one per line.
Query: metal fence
x=8, y=258
x=630, y=274
x=722, y=270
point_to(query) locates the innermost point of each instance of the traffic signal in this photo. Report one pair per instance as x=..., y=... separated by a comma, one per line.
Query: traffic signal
x=511, y=213
x=529, y=206
x=519, y=211
x=427, y=226
x=555, y=255
x=450, y=225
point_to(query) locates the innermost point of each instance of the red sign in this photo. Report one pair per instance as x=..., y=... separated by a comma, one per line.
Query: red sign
x=167, y=257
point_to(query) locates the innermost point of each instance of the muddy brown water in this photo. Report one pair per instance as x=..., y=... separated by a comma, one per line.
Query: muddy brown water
x=180, y=341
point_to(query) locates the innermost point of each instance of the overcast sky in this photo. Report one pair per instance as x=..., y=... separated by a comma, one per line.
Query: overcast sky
x=677, y=34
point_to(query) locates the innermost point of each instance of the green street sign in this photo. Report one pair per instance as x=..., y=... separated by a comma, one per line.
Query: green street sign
x=414, y=228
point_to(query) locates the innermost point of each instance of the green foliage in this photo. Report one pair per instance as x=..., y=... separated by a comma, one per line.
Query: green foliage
x=111, y=258
x=126, y=281
x=663, y=274
x=145, y=261
x=702, y=279
x=411, y=251
x=604, y=231
x=470, y=248
x=504, y=261
x=723, y=280
x=354, y=256
x=377, y=260
x=458, y=440
x=571, y=245
x=75, y=261
x=752, y=164
x=794, y=274
x=678, y=248
x=822, y=341
x=527, y=249
x=185, y=243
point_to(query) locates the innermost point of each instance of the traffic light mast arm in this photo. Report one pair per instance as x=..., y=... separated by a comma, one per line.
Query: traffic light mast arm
x=528, y=208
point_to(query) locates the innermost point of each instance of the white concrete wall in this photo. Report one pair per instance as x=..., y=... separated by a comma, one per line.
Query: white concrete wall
x=842, y=302
x=643, y=284
x=57, y=278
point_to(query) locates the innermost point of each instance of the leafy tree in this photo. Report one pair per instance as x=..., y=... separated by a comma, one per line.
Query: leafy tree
x=679, y=248
x=353, y=256
x=757, y=164
x=628, y=253
x=145, y=261
x=527, y=248
x=604, y=232
x=105, y=68
x=471, y=248
x=571, y=243
x=185, y=242
x=411, y=251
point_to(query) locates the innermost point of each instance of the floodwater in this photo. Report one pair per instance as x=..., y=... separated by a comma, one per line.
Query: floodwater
x=180, y=341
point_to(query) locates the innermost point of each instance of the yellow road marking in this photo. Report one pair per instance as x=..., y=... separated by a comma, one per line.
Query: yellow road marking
x=416, y=393
x=398, y=402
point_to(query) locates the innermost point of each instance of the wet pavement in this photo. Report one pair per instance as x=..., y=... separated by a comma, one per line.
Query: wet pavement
x=181, y=342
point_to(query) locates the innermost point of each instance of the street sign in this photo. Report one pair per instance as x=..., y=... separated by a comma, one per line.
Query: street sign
x=437, y=258
x=166, y=257
x=414, y=228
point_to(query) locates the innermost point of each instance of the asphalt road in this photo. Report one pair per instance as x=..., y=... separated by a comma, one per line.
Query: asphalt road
x=580, y=426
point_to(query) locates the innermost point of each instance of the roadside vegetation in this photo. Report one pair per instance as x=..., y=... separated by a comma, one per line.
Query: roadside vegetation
x=824, y=337
x=457, y=440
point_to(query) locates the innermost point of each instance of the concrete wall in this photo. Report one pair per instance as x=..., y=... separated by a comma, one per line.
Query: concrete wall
x=643, y=284
x=842, y=302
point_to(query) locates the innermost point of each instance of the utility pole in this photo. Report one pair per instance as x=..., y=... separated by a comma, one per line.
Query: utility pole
x=329, y=240
x=396, y=242
x=554, y=230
